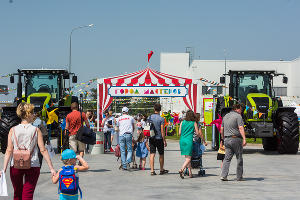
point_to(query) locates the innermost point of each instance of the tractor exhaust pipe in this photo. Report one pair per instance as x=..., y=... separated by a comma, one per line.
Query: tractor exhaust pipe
x=19, y=87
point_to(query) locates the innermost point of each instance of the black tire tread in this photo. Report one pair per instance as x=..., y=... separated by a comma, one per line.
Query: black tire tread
x=270, y=144
x=288, y=132
x=7, y=121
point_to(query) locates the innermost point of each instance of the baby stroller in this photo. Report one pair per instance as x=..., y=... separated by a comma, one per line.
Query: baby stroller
x=196, y=161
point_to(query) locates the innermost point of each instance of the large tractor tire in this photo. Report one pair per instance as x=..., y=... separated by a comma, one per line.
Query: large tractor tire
x=8, y=120
x=270, y=144
x=288, y=132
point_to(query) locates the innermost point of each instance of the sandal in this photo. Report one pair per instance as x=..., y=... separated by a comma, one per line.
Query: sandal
x=164, y=172
x=181, y=174
x=153, y=173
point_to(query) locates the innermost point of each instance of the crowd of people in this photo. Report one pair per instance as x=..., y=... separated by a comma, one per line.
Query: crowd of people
x=25, y=143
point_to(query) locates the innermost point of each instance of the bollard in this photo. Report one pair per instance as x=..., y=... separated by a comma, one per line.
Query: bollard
x=98, y=148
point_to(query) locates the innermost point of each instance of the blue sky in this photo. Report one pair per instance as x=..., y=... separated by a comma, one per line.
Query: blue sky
x=35, y=33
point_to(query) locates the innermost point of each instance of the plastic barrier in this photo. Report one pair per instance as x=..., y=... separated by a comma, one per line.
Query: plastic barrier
x=98, y=148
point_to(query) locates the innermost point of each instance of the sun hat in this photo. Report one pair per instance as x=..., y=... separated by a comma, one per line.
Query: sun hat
x=125, y=109
x=68, y=154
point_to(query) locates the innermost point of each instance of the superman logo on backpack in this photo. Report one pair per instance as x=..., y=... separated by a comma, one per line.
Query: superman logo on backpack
x=68, y=181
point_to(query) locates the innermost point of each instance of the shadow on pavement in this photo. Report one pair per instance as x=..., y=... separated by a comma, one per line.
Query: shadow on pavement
x=211, y=167
x=171, y=150
x=260, y=151
x=209, y=175
x=45, y=172
x=98, y=170
x=254, y=179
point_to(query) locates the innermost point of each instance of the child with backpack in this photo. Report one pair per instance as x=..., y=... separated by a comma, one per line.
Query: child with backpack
x=142, y=150
x=67, y=176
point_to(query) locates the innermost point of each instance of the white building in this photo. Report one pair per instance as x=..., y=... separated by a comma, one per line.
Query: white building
x=179, y=64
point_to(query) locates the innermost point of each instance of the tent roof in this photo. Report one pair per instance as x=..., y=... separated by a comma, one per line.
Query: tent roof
x=144, y=77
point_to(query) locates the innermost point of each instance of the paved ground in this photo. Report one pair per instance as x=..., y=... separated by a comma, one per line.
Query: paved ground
x=268, y=176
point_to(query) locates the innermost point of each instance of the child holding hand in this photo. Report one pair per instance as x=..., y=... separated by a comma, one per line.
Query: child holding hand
x=68, y=177
x=142, y=150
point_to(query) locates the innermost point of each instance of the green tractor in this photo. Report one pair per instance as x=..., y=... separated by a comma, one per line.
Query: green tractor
x=264, y=115
x=45, y=88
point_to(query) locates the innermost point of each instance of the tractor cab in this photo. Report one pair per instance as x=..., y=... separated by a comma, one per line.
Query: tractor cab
x=43, y=86
x=243, y=83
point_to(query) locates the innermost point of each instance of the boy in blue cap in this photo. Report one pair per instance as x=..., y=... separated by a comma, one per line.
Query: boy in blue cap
x=67, y=176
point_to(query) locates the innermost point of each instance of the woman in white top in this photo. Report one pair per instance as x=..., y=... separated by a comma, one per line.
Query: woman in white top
x=28, y=136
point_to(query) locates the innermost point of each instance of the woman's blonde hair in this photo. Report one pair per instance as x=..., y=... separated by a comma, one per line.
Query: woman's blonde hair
x=24, y=110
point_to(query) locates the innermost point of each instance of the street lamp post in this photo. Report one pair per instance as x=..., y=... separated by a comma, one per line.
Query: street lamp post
x=70, y=48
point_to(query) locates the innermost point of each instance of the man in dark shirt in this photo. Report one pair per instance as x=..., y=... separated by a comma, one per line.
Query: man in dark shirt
x=158, y=141
x=73, y=123
x=233, y=134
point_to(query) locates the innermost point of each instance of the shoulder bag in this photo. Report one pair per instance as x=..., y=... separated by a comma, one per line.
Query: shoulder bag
x=85, y=135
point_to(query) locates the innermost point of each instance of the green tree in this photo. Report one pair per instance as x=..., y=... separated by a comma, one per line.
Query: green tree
x=93, y=93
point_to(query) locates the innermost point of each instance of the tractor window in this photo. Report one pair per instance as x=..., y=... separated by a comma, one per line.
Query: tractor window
x=253, y=83
x=42, y=83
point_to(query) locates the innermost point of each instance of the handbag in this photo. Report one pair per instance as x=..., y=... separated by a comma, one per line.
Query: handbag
x=22, y=156
x=152, y=130
x=118, y=151
x=85, y=135
x=147, y=130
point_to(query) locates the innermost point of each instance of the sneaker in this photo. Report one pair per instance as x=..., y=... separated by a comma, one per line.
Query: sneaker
x=240, y=179
x=223, y=179
x=111, y=149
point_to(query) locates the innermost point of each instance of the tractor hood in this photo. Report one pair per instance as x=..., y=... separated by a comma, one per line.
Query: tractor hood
x=258, y=106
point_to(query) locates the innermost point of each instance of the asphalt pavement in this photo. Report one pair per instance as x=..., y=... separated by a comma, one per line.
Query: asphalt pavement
x=268, y=175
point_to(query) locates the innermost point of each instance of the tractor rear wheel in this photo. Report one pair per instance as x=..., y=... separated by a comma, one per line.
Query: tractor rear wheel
x=270, y=144
x=7, y=121
x=288, y=132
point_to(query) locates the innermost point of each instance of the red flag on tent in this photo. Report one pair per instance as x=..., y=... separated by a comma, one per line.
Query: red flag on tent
x=149, y=55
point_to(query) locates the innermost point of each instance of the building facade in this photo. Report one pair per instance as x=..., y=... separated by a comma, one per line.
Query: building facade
x=179, y=64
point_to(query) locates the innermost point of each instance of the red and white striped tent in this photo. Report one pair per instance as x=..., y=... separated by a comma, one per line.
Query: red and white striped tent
x=146, y=77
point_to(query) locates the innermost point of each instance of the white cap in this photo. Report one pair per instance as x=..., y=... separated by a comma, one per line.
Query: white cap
x=125, y=109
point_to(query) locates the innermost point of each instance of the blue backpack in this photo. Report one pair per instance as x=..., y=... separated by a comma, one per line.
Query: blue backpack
x=68, y=182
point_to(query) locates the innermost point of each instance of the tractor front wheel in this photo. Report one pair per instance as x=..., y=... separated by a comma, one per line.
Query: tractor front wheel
x=288, y=132
x=8, y=120
x=270, y=144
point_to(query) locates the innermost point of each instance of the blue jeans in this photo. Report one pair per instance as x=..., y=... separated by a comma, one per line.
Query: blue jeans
x=126, y=141
x=107, y=140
